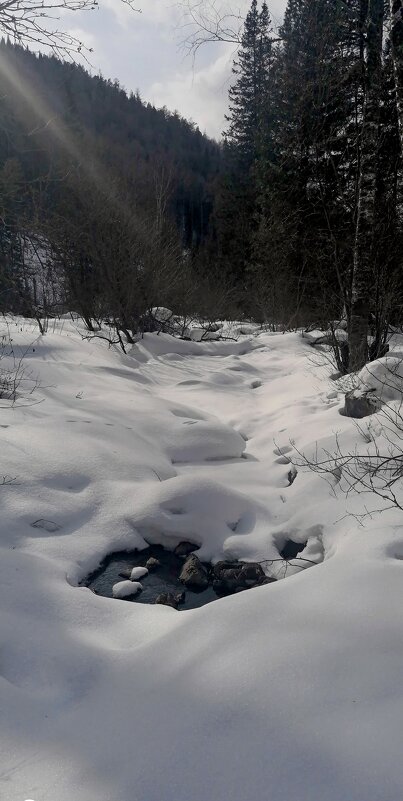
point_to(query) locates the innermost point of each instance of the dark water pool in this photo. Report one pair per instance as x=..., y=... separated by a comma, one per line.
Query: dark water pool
x=165, y=579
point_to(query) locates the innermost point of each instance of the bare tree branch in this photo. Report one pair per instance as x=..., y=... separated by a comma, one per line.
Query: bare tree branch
x=206, y=21
x=30, y=22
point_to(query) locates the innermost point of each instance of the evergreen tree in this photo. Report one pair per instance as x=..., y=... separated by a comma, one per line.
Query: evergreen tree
x=244, y=144
x=396, y=13
x=248, y=95
x=364, y=249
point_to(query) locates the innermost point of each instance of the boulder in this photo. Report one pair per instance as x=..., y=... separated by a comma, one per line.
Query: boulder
x=137, y=573
x=185, y=548
x=124, y=589
x=194, y=574
x=126, y=572
x=167, y=599
x=234, y=576
x=359, y=403
x=152, y=563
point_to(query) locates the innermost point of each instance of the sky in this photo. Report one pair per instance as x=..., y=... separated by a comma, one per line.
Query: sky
x=145, y=52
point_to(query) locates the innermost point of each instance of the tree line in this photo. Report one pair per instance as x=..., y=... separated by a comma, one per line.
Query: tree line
x=309, y=210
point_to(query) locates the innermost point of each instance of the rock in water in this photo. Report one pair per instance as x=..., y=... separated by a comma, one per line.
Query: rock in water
x=185, y=548
x=167, y=599
x=233, y=576
x=152, y=563
x=124, y=589
x=137, y=573
x=194, y=574
x=126, y=572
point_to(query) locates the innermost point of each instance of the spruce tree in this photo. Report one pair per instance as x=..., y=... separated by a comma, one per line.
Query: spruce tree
x=244, y=145
x=248, y=94
x=396, y=13
x=364, y=249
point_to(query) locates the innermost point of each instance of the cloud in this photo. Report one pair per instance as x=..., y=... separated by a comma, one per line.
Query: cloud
x=154, y=11
x=199, y=94
x=143, y=52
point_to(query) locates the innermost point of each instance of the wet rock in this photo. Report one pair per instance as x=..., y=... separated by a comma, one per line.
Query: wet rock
x=234, y=576
x=152, y=563
x=194, y=574
x=291, y=549
x=359, y=403
x=126, y=573
x=185, y=548
x=167, y=599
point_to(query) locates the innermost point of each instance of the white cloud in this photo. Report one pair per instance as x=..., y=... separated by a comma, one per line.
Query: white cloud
x=200, y=94
x=142, y=51
x=154, y=11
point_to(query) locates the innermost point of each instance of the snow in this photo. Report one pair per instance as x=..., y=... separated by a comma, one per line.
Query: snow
x=384, y=377
x=124, y=589
x=138, y=573
x=291, y=691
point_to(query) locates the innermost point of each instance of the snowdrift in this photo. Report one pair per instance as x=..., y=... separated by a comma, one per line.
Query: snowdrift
x=288, y=692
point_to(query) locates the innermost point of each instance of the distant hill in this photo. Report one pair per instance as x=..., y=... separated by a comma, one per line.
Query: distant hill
x=55, y=115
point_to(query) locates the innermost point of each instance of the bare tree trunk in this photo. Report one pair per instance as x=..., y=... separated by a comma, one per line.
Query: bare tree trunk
x=363, y=250
x=396, y=36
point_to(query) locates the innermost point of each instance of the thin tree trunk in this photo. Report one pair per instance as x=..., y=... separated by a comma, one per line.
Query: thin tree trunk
x=363, y=250
x=396, y=36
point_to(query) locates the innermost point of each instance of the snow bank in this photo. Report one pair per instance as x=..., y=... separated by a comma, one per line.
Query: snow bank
x=384, y=377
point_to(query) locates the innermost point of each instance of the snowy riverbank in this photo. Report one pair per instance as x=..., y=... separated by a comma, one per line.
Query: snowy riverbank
x=289, y=692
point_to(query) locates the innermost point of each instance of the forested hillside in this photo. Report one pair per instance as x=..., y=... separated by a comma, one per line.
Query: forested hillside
x=296, y=219
x=83, y=161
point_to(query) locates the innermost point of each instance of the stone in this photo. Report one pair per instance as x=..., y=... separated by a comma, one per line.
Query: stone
x=185, y=548
x=167, y=599
x=126, y=572
x=138, y=572
x=234, y=576
x=194, y=574
x=152, y=563
x=291, y=549
x=359, y=403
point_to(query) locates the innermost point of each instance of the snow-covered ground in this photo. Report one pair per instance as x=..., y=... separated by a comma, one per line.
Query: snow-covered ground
x=288, y=692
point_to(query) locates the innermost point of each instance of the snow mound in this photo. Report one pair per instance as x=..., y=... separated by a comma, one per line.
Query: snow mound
x=200, y=511
x=138, y=573
x=202, y=440
x=124, y=589
x=385, y=377
x=152, y=346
